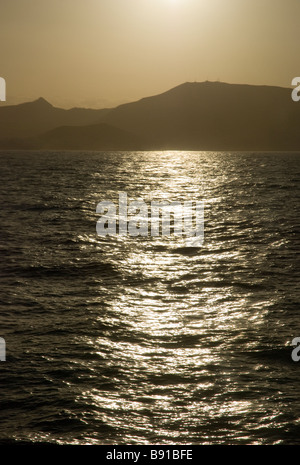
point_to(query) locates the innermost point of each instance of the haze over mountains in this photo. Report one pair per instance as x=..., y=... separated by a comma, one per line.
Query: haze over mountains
x=191, y=116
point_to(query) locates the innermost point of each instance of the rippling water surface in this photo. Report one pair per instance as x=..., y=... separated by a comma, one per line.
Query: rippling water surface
x=123, y=340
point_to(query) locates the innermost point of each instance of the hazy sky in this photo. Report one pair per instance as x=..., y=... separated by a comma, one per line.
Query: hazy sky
x=99, y=53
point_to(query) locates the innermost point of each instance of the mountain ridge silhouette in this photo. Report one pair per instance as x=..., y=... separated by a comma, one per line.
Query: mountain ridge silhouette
x=192, y=116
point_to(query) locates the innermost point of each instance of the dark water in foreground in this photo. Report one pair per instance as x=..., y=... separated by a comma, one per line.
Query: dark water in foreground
x=125, y=340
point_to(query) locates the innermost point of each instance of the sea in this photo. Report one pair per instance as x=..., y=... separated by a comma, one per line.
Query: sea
x=142, y=340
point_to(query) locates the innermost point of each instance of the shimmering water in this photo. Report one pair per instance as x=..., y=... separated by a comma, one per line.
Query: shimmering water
x=123, y=340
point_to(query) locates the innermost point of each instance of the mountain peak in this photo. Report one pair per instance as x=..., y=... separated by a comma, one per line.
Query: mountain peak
x=42, y=102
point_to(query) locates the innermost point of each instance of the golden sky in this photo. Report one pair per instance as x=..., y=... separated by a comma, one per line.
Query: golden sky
x=98, y=53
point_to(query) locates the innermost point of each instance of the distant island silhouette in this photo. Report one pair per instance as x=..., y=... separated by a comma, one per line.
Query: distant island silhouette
x=191, y=116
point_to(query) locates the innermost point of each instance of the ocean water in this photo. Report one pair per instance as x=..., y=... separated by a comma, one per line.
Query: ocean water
x=123, y=340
